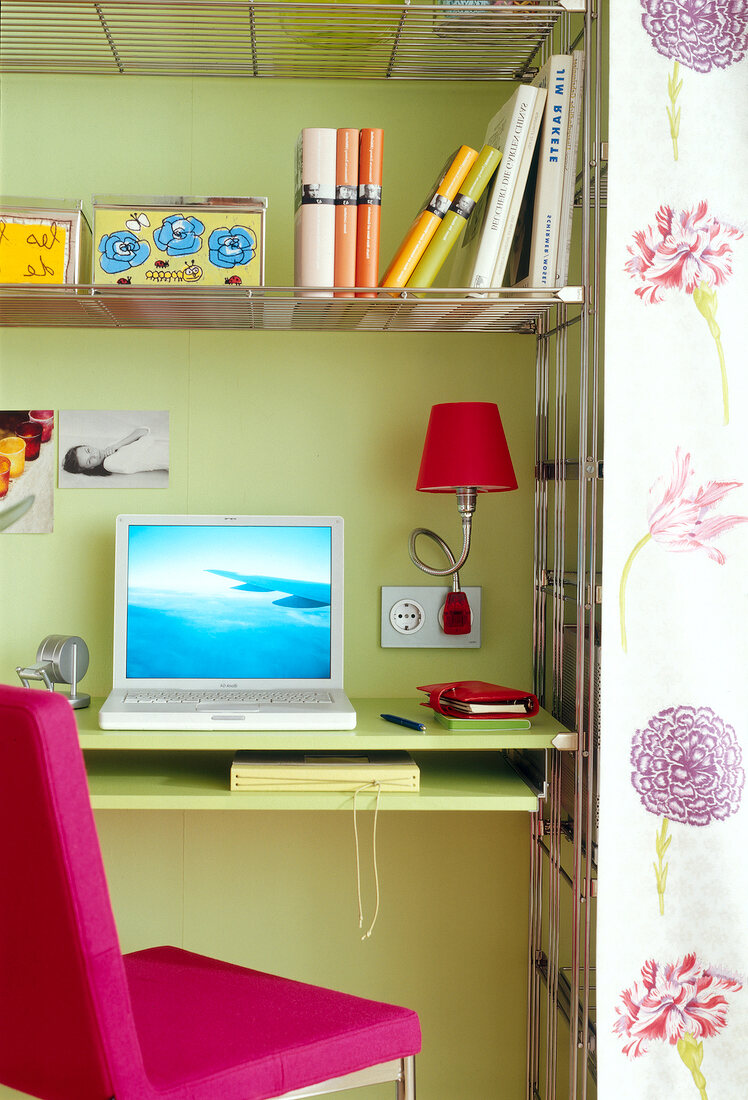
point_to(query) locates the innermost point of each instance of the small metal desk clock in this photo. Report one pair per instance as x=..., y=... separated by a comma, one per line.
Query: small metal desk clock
x=60, y=659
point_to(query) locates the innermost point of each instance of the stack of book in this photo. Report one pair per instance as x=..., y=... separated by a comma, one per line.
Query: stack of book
x=476, y=704
x=508, y=208
x=337, y=209
x=521, y=235
x=302, y=771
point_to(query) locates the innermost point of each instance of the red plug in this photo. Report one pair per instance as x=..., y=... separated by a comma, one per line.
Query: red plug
x=457, y=616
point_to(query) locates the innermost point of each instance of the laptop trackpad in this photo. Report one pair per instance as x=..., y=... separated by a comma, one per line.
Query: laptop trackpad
x=226, y=708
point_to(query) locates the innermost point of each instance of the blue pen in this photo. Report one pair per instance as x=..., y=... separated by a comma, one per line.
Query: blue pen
x=403, y=722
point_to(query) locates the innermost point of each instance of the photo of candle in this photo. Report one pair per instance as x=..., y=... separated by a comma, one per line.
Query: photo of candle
x=15, y=450
x=46, y=418
x=27, y=487
x=30, y=431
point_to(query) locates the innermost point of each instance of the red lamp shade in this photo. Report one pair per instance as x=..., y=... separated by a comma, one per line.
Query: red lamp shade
x=465, y=447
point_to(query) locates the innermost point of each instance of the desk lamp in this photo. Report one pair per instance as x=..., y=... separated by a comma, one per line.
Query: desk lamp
x=465, y=452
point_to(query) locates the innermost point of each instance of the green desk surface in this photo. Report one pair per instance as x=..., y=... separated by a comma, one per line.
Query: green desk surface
x=184, y=770
x=371, y=732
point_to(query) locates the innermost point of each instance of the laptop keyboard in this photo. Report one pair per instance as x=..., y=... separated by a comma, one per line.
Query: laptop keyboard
x=229, y=697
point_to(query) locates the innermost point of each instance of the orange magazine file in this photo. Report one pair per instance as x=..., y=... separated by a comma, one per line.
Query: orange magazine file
x=346, y=209
x=369, y=209
x=429, y=216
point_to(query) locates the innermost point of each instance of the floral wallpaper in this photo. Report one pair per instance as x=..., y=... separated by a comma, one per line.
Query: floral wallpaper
x=672, y=1003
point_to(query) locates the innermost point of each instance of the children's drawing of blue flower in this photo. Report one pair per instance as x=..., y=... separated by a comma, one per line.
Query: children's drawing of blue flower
x=179, y=235
x=231, y=247
x=121, y=250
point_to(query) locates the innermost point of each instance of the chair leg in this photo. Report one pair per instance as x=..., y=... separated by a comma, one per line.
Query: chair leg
x=406, y=1085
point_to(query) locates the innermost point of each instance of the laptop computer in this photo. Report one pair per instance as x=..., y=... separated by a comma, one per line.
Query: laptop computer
x=228, y=622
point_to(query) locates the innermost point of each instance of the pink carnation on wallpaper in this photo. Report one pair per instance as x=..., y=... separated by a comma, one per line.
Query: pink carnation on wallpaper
x=681, y=1004
x=700, y=34
x=679, y=518
x=690, y=252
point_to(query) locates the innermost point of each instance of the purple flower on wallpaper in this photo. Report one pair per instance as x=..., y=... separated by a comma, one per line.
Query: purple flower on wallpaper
x=700, y=34
x=690, y=251
x=687, y=767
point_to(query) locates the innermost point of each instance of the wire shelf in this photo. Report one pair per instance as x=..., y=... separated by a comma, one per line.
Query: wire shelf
x=276, y=308
x=235, y=38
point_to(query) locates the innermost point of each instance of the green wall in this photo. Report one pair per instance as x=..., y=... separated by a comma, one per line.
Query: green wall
x=276, y=423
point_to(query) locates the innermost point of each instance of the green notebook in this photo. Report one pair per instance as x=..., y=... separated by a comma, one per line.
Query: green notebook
x=454, y=220
x=482, y=724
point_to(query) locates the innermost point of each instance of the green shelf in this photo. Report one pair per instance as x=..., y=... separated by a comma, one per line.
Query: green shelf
x=200, y=781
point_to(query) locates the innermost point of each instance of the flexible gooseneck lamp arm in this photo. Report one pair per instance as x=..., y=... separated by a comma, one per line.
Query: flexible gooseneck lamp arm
x=466, y=500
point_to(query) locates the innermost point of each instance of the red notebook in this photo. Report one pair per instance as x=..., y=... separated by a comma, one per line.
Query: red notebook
x=369, y=209
x=479, y=699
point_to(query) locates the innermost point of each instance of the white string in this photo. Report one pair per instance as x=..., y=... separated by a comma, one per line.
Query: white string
x=366, y=786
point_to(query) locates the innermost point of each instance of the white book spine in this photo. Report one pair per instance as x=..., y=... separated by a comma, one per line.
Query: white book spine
x=314, y=216
x=556, y=77
x=508, y=133
x=523, y=168
x=570, y=168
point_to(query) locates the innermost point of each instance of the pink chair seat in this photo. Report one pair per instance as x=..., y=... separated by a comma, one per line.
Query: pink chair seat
x=80, y=1021
x=197, y=1016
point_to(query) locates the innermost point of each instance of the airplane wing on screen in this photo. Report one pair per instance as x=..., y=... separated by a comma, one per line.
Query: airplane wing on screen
x=300, y=593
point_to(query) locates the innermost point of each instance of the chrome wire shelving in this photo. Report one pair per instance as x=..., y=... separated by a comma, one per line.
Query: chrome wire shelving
x=277, y=308
x=406, y=40
x=402, y=40
x=561, y=1051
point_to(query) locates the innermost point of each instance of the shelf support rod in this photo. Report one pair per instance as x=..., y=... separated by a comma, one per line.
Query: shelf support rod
x=109, y=38
x=253, y=37
x=398, y=35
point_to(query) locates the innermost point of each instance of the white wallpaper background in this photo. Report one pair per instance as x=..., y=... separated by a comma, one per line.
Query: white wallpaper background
x=672, y=983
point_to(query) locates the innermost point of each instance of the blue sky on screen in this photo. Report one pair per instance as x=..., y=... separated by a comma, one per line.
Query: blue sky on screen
x=176, y=558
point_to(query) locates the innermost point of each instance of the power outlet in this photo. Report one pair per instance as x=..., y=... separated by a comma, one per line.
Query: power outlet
x=412, y=617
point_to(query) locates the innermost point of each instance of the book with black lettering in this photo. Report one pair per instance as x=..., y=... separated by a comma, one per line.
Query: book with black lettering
x=314, y=210
x=369, y=214
x=483, y=254
x=534, y=253
x=346, y=209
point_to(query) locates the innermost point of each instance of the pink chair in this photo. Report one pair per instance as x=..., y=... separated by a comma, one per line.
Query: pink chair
x=81, y=1021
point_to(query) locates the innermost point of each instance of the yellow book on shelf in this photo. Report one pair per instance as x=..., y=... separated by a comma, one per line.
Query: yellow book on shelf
x=304, y=771
x=452, y=225
x=429, y=216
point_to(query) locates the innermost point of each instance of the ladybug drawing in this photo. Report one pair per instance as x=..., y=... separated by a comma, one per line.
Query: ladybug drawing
x=124, y=282
x=161, y=263
x=233, y=280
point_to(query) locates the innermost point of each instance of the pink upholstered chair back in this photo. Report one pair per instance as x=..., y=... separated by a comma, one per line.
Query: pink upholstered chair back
x=61, y=970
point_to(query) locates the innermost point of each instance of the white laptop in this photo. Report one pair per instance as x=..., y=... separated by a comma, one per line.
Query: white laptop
x=228, y=622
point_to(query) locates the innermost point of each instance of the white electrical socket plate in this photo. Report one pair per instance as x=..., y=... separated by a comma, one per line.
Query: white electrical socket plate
x=429, y=636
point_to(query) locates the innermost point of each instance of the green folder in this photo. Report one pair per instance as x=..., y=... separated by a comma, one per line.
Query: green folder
x=483, y=725
x=454, y=220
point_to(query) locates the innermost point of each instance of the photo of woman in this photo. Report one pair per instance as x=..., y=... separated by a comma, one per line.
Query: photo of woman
x=114, y=449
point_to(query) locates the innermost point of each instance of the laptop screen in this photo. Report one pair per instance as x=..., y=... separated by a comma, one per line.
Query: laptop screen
x=229, y=601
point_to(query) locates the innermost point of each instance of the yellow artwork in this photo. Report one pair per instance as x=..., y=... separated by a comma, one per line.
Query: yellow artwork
x=183, y=247
x=34, y=249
